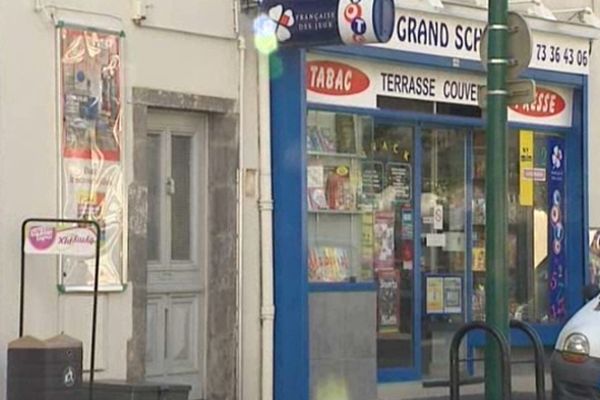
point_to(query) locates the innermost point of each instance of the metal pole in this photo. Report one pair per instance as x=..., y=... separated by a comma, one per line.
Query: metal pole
x=496, y=194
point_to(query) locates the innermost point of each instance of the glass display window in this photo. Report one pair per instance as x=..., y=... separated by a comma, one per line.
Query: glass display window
x=360, y=218
x=536, y=227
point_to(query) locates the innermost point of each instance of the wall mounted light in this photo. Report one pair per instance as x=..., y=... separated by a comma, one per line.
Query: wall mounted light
x=436, y=4
x=583, y=15
x=534, y=8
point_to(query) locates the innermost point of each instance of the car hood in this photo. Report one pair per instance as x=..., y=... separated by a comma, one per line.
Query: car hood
x=587, y=322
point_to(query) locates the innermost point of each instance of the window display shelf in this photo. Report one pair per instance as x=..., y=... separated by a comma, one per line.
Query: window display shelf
x=340, y=212
x=336, y=155
x=326, y=287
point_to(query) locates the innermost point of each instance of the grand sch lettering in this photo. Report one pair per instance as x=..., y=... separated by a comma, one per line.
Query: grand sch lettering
x=424, y=32
x=468, y=38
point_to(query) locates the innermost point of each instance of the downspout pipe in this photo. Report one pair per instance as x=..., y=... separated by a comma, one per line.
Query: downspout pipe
x=240, y=200
x=267, y=310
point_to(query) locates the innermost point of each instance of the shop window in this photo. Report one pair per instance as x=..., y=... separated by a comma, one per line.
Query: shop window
x=360, y=218
x=536, y=221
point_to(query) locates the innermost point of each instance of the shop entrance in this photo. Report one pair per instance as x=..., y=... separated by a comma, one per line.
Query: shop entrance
x=402, y=206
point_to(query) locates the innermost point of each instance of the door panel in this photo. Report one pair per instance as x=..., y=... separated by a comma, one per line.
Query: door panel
x=154, y=336
x=443, y=244
x=176, y=151
x=182, y=342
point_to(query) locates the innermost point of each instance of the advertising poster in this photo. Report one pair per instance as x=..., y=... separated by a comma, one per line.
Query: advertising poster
x=444, y=294
x=525, y=164
x=399, y=176
x=388, y=300
x=91, y=139
x=60, y=239
x=435, y=295
x=556, y=230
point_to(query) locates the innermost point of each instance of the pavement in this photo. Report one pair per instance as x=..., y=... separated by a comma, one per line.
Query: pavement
x=515, y=396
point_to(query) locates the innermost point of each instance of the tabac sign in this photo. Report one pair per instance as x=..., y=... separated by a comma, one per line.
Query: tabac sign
x=349, y=82
x=323, y=22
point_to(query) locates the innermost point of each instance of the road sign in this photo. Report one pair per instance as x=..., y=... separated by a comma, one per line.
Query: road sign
x=520, y=91
x=520, y=46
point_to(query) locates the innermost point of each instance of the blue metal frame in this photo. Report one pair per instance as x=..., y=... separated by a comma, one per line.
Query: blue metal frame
x=342, y=287
x=418, y=273
x=469, y=171
x=288, y=109
x=288, y=106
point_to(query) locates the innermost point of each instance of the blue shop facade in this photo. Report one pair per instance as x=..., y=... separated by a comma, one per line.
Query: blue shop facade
x=379, y=187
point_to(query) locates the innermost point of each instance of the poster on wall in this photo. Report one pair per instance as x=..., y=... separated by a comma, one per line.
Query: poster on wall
x=91, y=150
x=556, y=230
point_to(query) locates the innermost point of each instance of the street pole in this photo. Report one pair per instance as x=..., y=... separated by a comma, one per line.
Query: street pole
x=496, y=193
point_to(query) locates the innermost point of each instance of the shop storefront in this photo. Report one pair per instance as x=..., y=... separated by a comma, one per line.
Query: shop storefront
x=379, y=160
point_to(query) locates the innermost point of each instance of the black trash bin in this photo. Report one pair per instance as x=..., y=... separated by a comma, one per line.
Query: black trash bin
x=44, y=369
x=121, y=390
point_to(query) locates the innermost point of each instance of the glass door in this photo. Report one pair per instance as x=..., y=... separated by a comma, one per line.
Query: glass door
x=390, y=156
x=443, y=244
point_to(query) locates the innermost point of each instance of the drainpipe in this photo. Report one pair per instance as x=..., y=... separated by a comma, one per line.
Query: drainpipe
x=267, y=310
x=240, y=199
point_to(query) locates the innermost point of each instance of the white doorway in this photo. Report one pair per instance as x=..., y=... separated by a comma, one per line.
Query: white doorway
x=176, y=298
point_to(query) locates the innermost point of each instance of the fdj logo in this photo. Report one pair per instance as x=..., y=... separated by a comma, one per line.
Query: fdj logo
x=353, y=15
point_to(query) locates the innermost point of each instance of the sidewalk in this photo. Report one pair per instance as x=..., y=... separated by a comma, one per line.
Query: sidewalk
x=523, y=387
x=515, y=396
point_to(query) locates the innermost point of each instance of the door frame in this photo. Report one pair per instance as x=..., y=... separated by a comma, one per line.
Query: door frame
x=221, y=287
x=166, y=125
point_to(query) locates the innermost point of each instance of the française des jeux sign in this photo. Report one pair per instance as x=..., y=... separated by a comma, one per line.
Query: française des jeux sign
x=308, y=23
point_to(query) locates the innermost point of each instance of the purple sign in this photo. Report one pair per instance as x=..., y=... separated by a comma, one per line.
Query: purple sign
x=556, y=229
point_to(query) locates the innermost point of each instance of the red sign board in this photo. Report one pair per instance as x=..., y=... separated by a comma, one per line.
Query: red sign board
x=547, y=103
x=335, y=78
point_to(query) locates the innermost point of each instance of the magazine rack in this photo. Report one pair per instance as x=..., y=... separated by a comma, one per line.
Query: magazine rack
x=76, y=222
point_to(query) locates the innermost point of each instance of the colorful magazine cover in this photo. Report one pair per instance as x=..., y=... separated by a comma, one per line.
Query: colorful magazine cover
x=388, y=301
x=340, y=192
x=316, y=188
x=327, y=140
x=383, y=232
x=346, y=133
x=328, y=264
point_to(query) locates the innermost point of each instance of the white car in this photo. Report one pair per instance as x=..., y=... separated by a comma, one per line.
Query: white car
x=575, y=362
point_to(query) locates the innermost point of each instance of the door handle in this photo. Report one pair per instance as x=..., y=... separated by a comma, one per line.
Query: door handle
x=170, y=186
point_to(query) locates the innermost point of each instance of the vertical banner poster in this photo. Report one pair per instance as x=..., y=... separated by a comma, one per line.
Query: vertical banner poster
x=91, y=149
x=525, y=168
x=556, y=228
x=388, y=300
